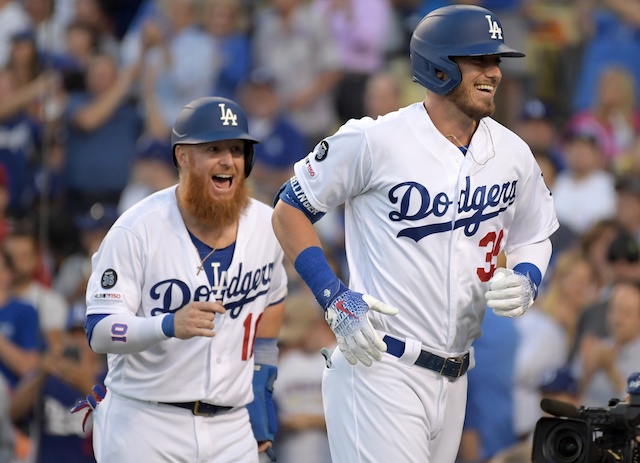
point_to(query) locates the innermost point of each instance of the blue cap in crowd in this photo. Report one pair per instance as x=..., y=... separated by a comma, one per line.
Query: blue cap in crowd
x=100, y=217
x=559, y=381
x=536, y=110
x=77, y=316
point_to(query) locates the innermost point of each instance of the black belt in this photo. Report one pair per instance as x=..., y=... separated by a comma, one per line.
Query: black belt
x=200, y=408
x=451, y=367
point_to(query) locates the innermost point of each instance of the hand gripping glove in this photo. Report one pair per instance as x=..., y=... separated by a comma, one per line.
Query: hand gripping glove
x=346, y=314
x=262, y=411
x=511, y=294
x=90, y=403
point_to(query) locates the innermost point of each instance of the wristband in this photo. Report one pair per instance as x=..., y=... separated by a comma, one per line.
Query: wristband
x=168, y=325
x=265, y=351
x=312, y=266
x=532, y=272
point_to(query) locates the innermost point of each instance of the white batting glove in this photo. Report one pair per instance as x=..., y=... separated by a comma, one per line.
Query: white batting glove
x=511, y=294
x=347, y=317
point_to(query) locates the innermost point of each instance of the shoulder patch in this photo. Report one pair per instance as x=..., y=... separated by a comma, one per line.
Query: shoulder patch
x=109, y=279
x=322, y=151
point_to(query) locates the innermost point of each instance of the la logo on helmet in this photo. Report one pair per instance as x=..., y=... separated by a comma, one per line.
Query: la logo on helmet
x=227, y=116
x=494, y=28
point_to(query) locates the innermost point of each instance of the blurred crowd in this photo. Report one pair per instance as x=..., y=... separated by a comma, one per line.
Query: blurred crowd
x=89, y=90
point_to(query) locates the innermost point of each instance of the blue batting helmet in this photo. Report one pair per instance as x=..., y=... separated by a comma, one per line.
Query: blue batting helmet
x=210, y=119
x=456, y=30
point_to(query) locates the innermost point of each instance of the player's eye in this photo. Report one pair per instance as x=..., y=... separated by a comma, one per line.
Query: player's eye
x=237, y=149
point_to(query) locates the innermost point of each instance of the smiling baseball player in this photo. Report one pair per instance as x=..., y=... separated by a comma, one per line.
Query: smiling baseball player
x=433, y=193
x=187, y=300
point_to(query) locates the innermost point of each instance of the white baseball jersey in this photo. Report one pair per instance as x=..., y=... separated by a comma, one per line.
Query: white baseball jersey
x=147, y=266
x=425, y=223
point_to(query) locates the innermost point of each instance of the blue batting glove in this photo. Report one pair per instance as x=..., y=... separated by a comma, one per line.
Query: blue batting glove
x=262, y=411
x=346, y=314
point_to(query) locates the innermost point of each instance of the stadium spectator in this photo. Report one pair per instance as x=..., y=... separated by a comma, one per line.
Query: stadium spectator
x=302, y=433
x=93, y=13
x=606, y=363
x=556, y=313
x=623, y=255
x=281, y=142
x=25, y=60
x=296, y=45
x=180, y=54
x=610, y=38
x=18, y=329
x=228, y=23
x=628, y=204
x=102, y=127
x=44, y=397
x=382, y=94
x=19, y=139
x=537, y=126
x=22, y=245
x=490, y=391
x=81, y=43
x=152, y=171
x=48, y=28
x=584, y=192
x=594, y=244
x=73, y=274
x=614, y=114
x=13, y=20
x=360, y=29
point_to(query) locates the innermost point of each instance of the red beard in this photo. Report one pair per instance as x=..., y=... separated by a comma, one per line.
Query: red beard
x=214, y=213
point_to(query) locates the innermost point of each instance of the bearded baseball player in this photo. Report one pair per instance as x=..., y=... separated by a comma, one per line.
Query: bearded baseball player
x=186, y=297
x=433, y=193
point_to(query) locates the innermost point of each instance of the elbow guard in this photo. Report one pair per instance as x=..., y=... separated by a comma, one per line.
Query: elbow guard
x=291, y=193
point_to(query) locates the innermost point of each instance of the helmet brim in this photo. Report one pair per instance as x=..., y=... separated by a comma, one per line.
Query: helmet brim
x=217, y=135
x=491, y=49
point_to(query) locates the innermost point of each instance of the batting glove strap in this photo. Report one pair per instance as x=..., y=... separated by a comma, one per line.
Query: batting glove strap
x=510, y=294
x=262, y=411
x=90, y=403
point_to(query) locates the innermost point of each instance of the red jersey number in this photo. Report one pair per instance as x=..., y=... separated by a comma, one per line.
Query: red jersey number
x=493, y=242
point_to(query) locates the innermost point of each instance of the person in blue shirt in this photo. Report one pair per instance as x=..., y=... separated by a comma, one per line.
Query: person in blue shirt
x=19, y=329
x=488, y=425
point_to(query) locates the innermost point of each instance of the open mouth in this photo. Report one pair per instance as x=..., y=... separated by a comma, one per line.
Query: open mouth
x=485, y=88
x=222, y=181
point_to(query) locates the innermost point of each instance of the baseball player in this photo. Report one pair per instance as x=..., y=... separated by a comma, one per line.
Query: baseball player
x=186, y=298
x=433, y=193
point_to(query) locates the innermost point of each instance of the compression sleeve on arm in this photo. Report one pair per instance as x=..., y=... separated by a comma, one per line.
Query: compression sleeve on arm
x=126, y=334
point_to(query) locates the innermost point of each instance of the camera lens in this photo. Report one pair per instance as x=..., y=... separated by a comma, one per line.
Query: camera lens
x=566, y=446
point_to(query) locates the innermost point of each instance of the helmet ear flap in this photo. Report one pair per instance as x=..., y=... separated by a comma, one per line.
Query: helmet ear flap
x=249, y=155
x=425, y=72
